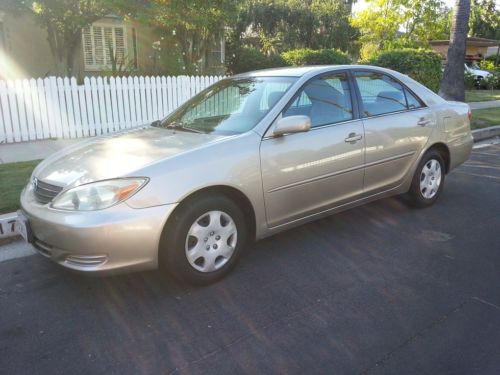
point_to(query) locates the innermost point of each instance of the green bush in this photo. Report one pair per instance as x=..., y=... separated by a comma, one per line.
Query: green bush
x=245, y=59
x=308, y=56
x=470, y=81
x=492, y=81
x=493, y=59
x=487, y=65
x=423, y=66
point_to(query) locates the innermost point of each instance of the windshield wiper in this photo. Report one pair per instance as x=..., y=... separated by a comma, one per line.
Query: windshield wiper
x=180, y=126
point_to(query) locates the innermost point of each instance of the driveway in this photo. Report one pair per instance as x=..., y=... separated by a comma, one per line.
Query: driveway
x=378, y=289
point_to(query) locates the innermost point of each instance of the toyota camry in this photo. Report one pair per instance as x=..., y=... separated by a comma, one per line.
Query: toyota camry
x=252, y=155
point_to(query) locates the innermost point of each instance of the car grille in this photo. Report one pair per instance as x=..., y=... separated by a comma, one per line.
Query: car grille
x=44, y=192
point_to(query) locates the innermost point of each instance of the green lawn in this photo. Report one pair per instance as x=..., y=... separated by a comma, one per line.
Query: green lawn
x=481, y=95
x=482, y=118
x=13, y=178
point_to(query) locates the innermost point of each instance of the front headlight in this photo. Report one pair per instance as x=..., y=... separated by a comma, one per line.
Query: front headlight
x=98, y=195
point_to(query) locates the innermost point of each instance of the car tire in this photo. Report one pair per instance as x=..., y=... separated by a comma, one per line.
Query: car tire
x=428, y=180
x=199, y=245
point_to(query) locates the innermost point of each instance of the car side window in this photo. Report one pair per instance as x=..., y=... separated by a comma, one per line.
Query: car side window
x=380, y=93
x=325, y=100
x=412, y=101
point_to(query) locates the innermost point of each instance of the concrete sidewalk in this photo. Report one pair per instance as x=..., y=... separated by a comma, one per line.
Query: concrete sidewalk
x=34, y=150
x=483, y=105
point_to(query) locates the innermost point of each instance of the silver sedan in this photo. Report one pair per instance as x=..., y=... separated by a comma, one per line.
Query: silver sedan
x=248, y=157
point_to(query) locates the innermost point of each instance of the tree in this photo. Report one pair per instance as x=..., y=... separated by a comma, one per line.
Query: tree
x=279, y=25
x=388, y=24
x=452, y=85
x=63, y=20
x=194, y=25
x=484, y=19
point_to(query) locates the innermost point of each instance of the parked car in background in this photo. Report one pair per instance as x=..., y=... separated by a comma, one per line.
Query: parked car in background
x=252, y=155
x=478, y=73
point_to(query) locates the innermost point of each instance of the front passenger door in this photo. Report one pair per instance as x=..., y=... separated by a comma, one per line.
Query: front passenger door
x=305, y=173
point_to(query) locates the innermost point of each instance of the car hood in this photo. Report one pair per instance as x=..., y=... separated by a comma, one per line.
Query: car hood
x=117, y=155
x=479, y=72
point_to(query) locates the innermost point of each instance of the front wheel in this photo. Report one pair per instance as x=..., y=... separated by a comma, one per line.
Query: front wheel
x=203, y=240
x=428, y=180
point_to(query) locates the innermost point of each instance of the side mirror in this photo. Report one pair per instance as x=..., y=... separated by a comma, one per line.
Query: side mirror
x=292, y=124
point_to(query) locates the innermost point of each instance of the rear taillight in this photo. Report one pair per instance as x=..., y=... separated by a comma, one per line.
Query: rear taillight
x=470, y=115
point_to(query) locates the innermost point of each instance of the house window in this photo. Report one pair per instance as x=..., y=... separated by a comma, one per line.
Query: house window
x=217, y=54
x=102, y=44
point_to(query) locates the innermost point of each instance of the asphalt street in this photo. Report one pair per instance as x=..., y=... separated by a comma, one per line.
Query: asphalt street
x=382, y=289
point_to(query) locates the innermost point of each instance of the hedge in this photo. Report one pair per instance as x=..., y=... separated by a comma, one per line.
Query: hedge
x=246, y=59
x=306, y=56
x=423, y=66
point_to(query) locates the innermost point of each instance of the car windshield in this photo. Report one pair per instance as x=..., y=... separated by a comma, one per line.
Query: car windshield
x=472, y=65
x=230, y=106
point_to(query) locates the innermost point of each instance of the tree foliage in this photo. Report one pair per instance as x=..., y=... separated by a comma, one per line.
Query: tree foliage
x=484, y=19
x=280, y=25
x=194, y=25
x=387, y=24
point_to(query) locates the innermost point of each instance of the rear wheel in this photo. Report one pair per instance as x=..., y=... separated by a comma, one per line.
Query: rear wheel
x=428, y=180
x=203, y=240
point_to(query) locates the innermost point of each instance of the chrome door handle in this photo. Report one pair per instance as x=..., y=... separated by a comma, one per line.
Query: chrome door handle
x=353, y=138
x=423, y=122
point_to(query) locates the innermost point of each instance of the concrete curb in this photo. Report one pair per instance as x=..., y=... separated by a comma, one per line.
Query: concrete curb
x=7, y=220
x=482, y=134
x=7, y=227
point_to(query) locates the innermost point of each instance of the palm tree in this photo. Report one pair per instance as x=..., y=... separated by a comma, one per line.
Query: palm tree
x=452, y=85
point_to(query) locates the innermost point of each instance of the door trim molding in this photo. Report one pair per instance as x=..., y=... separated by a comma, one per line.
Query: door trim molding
x=314, y=179
x=343, y=171
x=391, y=158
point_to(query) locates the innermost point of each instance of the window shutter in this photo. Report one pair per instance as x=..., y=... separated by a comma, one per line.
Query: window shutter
x=108, y=42
x=88, y=54
x=120, y=44
x=98, y=45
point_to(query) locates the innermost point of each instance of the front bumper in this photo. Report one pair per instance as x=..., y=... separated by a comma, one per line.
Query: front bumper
x=117, y=239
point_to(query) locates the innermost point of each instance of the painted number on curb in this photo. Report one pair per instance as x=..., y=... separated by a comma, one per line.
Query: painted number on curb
x=8, y=228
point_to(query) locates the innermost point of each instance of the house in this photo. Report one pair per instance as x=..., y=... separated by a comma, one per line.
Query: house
x=476, y=48
x=25, y=51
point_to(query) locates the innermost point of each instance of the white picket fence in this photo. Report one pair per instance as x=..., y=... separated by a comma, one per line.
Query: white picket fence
x=59, y=108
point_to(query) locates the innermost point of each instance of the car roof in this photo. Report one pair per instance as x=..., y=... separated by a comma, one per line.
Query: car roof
x=300, y=71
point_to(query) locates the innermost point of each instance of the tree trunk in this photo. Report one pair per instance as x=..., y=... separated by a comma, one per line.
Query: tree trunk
x=452, y=85
x=71, y=48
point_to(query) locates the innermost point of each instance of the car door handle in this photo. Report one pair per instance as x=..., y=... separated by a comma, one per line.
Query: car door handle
x=423, y=122
x=353, y=138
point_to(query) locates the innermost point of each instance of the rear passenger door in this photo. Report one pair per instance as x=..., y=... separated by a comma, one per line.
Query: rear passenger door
x=397, y=126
